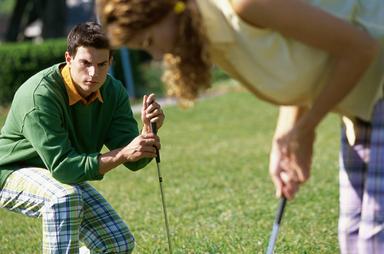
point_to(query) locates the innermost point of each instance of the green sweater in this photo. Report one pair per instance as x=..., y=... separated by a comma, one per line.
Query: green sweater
x=42, y=130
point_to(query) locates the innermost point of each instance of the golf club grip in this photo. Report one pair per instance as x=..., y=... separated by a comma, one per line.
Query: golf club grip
x=154, y=130
x=280, y=210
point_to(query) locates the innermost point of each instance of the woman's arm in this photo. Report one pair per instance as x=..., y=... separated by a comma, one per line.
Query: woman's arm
x=352, y=49
x=287, y=181
x=288, y=117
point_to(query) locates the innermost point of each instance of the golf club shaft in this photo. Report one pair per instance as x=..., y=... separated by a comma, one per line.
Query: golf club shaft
x=154, y=130
x=164, y=208
x=276, y=225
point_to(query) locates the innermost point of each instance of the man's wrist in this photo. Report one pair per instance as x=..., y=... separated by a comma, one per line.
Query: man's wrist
x=145, y=130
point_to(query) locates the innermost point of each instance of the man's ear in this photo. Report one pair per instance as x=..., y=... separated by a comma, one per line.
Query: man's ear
x=110, y=60
x=68, y=58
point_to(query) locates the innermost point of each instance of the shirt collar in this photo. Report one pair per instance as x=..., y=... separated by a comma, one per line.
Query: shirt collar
x=73, y=94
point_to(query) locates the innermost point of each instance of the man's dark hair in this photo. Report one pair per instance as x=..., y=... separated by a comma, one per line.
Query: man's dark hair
x=89, y=34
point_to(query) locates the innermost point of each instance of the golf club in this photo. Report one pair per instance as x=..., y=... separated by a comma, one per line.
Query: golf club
x=154, y=130
x=276, y=225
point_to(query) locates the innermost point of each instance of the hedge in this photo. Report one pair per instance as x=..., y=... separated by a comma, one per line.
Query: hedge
x=21, y=60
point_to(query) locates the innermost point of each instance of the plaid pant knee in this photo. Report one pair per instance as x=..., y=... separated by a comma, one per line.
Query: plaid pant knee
x=361, y=221
x=69, y=212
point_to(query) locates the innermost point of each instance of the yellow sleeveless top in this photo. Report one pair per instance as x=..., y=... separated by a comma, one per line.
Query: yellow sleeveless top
x=285, y=71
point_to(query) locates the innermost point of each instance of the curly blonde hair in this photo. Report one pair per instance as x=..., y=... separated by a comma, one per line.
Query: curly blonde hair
x=188, y=70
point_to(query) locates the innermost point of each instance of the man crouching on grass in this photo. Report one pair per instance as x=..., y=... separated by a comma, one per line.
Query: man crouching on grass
x=50, y=147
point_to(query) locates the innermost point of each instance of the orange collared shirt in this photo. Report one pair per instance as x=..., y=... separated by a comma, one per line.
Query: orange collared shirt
x=73, y=94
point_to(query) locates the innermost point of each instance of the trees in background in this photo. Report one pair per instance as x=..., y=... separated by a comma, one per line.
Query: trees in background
x=46, y=18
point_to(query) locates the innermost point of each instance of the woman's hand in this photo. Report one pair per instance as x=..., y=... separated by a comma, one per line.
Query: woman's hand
x=290, y=160
x=286, y=185
x=297, y=148
x=151, y=112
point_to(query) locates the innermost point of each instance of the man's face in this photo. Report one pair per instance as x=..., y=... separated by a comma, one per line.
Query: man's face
x=89, y=68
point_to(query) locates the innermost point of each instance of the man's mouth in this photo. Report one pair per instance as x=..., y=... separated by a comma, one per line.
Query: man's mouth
x=90, y=82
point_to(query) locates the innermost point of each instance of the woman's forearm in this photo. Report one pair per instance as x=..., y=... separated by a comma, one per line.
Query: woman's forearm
x=347, y=72
x=288, y=117
x=351, y=48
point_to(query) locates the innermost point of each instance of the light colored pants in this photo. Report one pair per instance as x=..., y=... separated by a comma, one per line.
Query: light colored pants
x=361, y=222
x=70, y=213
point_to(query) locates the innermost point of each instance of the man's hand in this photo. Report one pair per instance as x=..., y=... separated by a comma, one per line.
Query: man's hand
x=151, y=112
x=143, y=146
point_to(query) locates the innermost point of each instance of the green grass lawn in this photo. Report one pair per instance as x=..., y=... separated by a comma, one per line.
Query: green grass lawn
x=214, y=161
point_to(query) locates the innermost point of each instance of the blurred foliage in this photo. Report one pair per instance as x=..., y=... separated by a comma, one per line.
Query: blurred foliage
x=22, y=60
x=6, y=6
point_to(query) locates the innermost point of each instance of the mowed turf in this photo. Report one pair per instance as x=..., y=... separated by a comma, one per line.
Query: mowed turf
x=214, y=161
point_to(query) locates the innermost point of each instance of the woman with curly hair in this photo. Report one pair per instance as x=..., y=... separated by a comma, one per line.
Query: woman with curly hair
x=310, y=57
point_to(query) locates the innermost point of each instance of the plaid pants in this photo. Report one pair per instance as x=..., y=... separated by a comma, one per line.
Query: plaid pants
x=361, y=222
x=70, y=213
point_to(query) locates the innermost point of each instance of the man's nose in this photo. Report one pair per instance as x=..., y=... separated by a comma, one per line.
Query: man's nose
x=91, y=71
